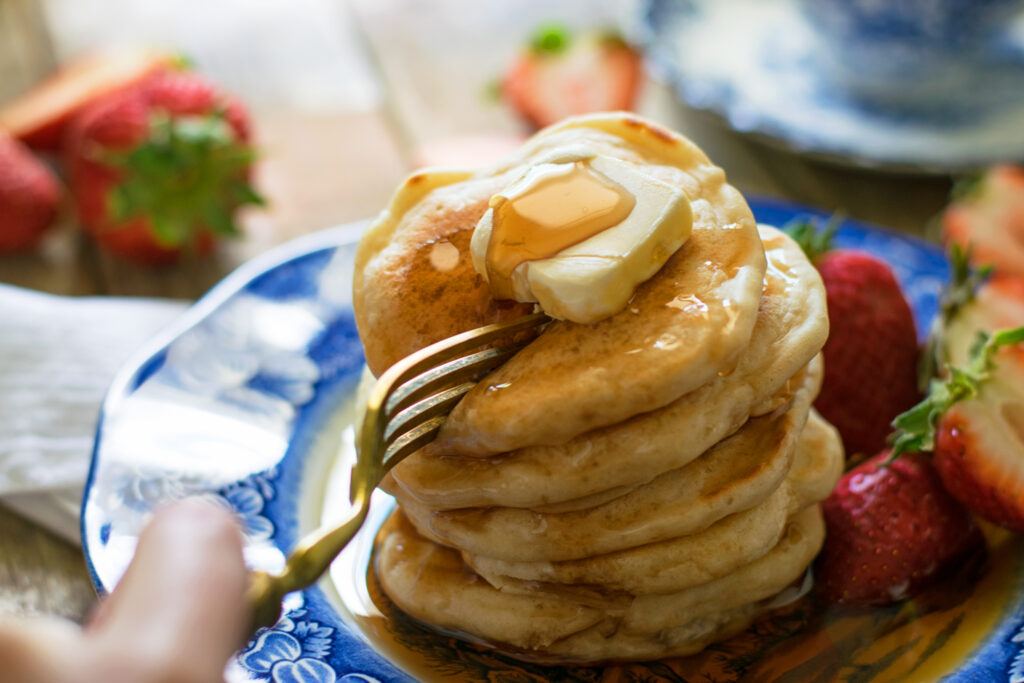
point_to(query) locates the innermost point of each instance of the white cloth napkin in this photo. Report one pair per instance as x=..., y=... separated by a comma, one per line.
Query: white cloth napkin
x=57, y=357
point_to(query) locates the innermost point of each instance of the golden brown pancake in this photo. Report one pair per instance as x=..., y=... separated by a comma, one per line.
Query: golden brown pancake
x=627, y=489
x=431, y=583
x=704, y=556
x=681, y=623
x=414, y=279
x=688, y=322
x=791, y=328
x=736, y=474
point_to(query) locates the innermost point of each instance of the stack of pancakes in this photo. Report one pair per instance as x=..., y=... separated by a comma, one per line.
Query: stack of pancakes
x=629, y=489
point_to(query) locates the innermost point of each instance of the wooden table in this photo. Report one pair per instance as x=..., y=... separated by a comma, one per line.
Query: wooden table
x=321, y=169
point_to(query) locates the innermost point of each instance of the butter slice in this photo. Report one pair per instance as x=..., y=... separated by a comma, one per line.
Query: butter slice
x=596, y=278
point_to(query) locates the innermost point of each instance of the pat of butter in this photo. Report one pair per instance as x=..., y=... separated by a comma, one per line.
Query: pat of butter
x=578, y=234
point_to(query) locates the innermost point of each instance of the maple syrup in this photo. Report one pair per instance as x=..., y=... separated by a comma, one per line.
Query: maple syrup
x=922, y=640
x=563, y=205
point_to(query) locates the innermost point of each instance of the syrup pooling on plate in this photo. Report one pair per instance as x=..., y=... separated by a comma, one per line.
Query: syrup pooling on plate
x=560, y=205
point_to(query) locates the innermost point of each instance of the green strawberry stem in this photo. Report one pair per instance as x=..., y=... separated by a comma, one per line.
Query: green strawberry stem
x=815, y=241
x=964, y=282
x=188, y=176
x=550, y=39
x=915, y=429
x=967, y=187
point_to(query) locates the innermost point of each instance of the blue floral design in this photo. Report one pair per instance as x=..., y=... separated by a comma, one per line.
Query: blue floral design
x=1017, y=665
x=294, y=652
x=247, y=499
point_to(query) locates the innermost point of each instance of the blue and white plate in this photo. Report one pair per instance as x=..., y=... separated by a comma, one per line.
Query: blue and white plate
x=759, y=64
x=248, y=401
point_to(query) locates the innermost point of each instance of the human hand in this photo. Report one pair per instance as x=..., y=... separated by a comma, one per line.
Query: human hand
x=177, y=615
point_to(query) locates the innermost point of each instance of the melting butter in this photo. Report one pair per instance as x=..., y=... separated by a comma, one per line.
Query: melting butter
x=578, y=234
x=561, y=205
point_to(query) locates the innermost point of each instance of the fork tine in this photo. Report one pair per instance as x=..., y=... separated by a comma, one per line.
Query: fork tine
x=372, y=448
x=411, y=441
x=432, y=406
x=444, y=350
x=464, y=367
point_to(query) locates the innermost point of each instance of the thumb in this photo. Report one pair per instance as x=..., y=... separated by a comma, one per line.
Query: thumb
x=180, y=606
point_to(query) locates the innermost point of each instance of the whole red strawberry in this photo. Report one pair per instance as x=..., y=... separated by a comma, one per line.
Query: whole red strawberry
x=890, y=530
x=29, y=196
x=560, y=75
x=872, y=352
x=160, y=168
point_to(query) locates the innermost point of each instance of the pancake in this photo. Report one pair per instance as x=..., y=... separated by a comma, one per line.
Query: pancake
x=606, y=642
x=758, y=580
x=691, y=560
x=678, y=624
x=661, y=567
x=791, y=328
x=684, y=325
x=627, y=489
x=738, y=473
x=820, y=459
x=416, y=256
x=431, y=583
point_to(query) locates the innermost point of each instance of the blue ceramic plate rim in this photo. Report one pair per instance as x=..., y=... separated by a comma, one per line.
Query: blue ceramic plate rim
x=728, y=107
x=312, y=643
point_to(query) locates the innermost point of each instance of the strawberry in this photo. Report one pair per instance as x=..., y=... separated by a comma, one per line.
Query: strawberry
x=29, y=196
x=987, y=215
x=891, y=529
x=871, y=354
x=160, y=169
x=558, y=77
x=40, y=116
x=974, y=419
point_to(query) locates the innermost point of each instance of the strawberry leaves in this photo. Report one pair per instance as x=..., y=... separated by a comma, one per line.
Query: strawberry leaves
x=964, y=282
x=915, y=428
x=188, y=175
x=813, y=239
x=550, y=39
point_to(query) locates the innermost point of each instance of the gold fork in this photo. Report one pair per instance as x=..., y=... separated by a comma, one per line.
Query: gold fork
x=406, y=407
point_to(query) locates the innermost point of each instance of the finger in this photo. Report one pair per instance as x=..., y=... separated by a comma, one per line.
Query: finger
x=39, y=650
x=181, y=602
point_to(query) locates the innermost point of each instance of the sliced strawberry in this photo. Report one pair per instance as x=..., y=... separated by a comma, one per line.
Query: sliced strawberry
x=979, y=441
x=40, y=116
x=558, y=77
x=989, y=217
x=979, y=453
x=998, y=304
x=891, y=529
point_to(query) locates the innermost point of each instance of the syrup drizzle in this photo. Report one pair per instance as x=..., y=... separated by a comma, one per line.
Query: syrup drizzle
x=563, y=205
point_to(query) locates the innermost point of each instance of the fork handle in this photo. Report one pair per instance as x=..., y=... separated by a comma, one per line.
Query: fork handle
x=307, y=562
